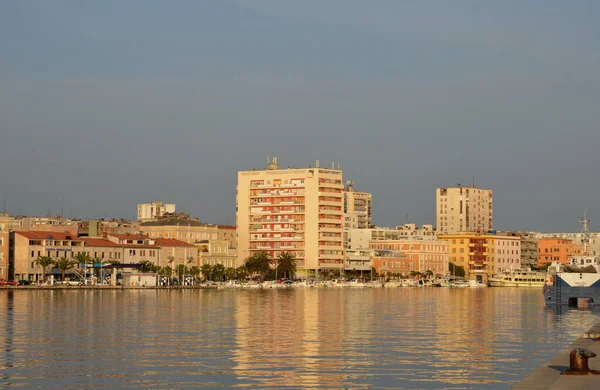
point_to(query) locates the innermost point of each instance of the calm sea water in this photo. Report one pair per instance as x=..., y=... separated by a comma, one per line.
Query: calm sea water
x=337, y=338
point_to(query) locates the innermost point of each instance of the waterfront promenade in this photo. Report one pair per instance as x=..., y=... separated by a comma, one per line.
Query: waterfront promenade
x=61, y=287
x=549, y=375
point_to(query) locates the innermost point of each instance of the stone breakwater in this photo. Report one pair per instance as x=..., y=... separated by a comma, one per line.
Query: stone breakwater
x=549, y=376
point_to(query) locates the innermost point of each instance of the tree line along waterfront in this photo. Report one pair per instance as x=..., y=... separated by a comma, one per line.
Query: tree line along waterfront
x=84, y=269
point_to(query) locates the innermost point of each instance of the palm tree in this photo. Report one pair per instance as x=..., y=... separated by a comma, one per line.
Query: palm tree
x=218, y=272
x=44, y=262
x=286, y=264
x=147, y=266
x=206, y=270
x=181, y=270
x=113, y=262
x=429, y=273
x=168, y=271
x=65, y=264
x=259, y=263
x=195, y=271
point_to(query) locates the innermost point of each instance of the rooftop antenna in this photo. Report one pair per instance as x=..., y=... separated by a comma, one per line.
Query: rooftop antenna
x=585, y=232
x=473, y=181
x=4, y=205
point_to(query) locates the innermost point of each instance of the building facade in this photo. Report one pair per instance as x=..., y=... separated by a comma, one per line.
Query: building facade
x=180, y=228
x=5, y=244
x=483, y=255
x=296, y=210
x=359, y=205
x=556, y=249
x=421, y=256
x=150, y=211
x=360, y=238
x=125, y=249
x=45, y=224
x=463, y=209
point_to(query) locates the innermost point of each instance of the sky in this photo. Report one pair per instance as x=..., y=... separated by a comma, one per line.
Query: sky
x=107, y=104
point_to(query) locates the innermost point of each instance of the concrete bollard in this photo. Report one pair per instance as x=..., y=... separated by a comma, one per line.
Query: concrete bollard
x=578, y=362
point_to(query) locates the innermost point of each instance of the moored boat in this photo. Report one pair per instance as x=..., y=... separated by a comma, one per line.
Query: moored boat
x=518, y=278
x=576, y=284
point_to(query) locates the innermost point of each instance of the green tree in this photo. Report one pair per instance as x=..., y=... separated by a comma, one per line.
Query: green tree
x=286, y=265
x=147, y=266
x=241, y=272
x=456, y=270
x=195, y=271
x=65, y=264
x=259, y=263
x=206, y=270
x=181, y=270
x=218, y=271
x=429, y=273
x=166, y=271
x=113, y=262
x=374, y=273
x=44, y=262
x=230, y=273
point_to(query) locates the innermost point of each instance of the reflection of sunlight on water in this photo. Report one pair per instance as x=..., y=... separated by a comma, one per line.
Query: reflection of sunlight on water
x=352, y=338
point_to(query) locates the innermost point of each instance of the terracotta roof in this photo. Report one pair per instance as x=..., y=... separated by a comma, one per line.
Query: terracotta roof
x=172, y=242
x=97, y=242
x=49, y=235
x=226, y=227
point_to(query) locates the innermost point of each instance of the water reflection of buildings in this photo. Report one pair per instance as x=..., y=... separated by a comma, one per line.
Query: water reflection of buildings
x=291, y=337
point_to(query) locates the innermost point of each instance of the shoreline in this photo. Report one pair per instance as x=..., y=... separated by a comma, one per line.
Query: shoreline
x=199, y=287
x=548, y=376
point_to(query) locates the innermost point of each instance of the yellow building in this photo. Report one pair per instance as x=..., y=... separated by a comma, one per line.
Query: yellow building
x=296, y=210
x=482, y=255
x=463, y=209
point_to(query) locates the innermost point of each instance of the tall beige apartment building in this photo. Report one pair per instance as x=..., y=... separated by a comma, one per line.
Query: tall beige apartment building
x=463, y=209
x=296, y=210
x=359, y=205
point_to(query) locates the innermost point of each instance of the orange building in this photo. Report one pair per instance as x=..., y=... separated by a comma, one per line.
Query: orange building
x=392, y=262
x=422, y=255
x=556, y=249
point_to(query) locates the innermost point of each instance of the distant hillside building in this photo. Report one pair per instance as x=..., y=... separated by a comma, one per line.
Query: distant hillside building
x=150, y=211
x=463, y=209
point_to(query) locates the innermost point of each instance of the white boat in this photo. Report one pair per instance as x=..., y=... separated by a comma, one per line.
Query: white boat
x=476, y=283
x=518, y=278
x=576, y=284
x=459, y=283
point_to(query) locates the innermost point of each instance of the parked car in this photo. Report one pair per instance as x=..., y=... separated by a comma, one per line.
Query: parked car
x=72, y=283
x=24, y=283
x=8, y=283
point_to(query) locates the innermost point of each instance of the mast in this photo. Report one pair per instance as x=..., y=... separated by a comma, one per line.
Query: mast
x=586, y=234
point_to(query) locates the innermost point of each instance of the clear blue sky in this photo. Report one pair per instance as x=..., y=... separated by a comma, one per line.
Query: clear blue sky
x=106, y=104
